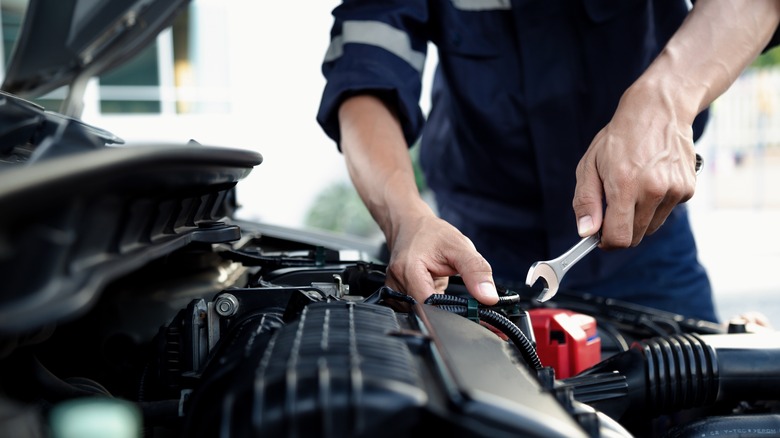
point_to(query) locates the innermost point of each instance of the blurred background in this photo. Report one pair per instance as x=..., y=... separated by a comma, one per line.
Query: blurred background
x=246, y=74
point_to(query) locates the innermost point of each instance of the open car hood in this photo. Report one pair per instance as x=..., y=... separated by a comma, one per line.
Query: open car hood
x=65, y=42
x=77, y=208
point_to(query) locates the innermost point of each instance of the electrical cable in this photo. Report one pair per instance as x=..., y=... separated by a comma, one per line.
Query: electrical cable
x=459, y=305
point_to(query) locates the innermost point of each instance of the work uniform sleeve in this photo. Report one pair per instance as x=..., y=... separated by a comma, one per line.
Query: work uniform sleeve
x=376, y=48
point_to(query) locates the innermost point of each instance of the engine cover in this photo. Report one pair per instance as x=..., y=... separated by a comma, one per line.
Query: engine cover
x=358, y=369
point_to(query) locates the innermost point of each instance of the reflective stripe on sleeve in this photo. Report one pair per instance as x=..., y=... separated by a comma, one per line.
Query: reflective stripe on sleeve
x=376, y=33
x=481, y=5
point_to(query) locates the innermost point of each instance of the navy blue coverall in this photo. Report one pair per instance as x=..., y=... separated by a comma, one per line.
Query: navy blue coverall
x=521, y=89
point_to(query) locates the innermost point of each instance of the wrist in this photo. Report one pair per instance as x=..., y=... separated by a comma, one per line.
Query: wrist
x=412, y=210
x=672, y=96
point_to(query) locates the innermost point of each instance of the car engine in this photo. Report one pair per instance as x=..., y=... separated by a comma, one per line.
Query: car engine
x=134, y=303
x=132, y=294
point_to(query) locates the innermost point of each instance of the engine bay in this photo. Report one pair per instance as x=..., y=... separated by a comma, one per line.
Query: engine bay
x=133, y=302
x=270, y=336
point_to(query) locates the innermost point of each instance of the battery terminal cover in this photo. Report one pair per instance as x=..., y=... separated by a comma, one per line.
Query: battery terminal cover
x=567, y=341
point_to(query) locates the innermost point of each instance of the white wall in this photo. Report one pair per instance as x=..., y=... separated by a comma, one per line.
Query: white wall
x=264, y=58
x=273, y=52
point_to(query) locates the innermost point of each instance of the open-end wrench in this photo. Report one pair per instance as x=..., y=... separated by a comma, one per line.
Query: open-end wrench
x=552, y=271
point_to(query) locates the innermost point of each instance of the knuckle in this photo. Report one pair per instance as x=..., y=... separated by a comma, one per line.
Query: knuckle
x=622, y=241
x=685, y=193
x=622, y=237
x=583, y=199
x=622, y=185
x=656, y=190
x=395, y=274
x=582, y=168
x=477, y=263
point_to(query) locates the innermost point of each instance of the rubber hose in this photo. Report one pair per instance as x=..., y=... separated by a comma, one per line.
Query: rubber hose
x=507, y=327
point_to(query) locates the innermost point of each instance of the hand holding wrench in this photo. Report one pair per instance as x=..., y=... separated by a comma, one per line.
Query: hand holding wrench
x=552, y=271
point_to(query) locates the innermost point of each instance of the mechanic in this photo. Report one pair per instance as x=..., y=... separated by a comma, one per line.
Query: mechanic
x=537, y=107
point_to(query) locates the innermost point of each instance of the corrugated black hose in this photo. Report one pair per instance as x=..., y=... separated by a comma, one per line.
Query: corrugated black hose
x=459, y=305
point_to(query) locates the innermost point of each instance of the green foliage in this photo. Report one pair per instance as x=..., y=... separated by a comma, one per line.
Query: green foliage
x=768, y=58
x=338, y=208
x=419, y=178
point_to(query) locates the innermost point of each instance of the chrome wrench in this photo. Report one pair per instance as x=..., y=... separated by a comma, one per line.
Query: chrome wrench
x=552, y=271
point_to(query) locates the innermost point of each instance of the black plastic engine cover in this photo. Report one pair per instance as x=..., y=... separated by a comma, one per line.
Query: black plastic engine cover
x=358, y=369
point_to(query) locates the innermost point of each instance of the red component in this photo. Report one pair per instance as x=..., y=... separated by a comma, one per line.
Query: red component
x=567, y=341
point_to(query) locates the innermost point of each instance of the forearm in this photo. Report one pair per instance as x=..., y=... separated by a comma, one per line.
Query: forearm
x=716, y=42
x=379, y=163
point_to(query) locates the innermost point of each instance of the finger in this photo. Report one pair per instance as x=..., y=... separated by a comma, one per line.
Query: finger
x=675, y=195
x=758, y=318
x=440, y=284
x=477, y=275
x=588, y=200
x=617, y=230
x=620, y=198
x=413, y=280
x=653, y=197
x=661, y=213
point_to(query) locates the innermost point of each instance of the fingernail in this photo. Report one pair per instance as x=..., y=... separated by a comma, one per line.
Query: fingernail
x=487, y=290
x=584, y=224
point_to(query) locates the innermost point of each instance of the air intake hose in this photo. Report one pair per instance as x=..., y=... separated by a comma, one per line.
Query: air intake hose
x=665, y=374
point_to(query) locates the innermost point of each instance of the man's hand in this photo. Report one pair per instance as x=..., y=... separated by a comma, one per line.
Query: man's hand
x=642, y=164
x=426, y=251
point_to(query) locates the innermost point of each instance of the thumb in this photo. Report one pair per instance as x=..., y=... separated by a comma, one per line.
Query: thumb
x=478, y=278
x=588, y=200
